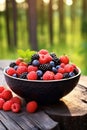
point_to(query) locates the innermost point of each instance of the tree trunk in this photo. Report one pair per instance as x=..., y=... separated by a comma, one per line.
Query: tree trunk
x=51, y=22
x=32, y=23
x=14, y=23
x=61, y=20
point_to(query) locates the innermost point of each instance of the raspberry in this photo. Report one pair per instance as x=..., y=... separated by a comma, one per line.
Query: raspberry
x=61, y=70
x=21, y=69
x=58, y=76
x=2, y=101
x=2, y=88
x=31, y=106
x=7, y=105
x=16, y=100
x=69, y=68
x=64, y=59
x=43, y=51
x=15, y=107
x=6, y=94
x=32, y=68
x=18, y=61
x=32, y=75
x=45, y=59
x=10, y=71
x=48, y=75
x=23, y=64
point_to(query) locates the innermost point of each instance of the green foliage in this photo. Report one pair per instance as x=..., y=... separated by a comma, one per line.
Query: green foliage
x=26, y=55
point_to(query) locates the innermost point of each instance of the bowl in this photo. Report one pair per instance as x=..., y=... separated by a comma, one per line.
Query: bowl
x=44, y=92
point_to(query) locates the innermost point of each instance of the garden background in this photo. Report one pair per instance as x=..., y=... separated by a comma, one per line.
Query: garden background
x=57, y=25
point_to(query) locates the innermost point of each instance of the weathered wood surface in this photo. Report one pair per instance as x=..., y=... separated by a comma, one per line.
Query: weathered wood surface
x=70, y=112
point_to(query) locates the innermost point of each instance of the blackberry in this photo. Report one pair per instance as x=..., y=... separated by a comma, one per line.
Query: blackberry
x=45, y=67
x=23, y=75
x=55, y=59
x=35, y=57
x=66, y=75
x=12, y=64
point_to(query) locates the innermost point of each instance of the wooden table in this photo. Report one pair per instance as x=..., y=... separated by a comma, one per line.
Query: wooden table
x=69, y=114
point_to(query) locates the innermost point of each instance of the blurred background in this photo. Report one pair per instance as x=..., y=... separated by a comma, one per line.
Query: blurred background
x=57, y=25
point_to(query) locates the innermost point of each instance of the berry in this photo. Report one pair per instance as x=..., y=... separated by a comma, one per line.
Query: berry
x=15, y=75
x=16, y=100
x=58, y=76
x=64, y=59
x=61, y=70
x=43, y=51
x=23, y=75
x=18, y=61
x=52, y=63
x=12, y=64
x=48, y=75
x=32, y=75
x=21, y=69
x=2, y=88
x=69, y=68
x=35, y=63
x=54, y=69
x=2, y=101
x=39, y=73
x=31, y=106
x=6, y=94
x=35, y=57
x=55, y=59
x=45, y=67
x=23, y=64
x=32, y=68
x=7, y=105
x=10, y=71
x=15, y=107
x=71, y=74
x=66, y=75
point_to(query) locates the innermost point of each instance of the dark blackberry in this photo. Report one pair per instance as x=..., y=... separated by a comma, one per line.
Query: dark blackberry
x=55, y=59
x=12, y=64
x=66, y=75
x=35, y=57
x=75, y=71
x=45, y=67
x=23, y=75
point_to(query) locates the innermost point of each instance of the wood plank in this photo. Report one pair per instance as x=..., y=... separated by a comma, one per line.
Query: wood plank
x=2, y=127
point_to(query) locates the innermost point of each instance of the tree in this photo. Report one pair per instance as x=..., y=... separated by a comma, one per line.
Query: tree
x=32, y=23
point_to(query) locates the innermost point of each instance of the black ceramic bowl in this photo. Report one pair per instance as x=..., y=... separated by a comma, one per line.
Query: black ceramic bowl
x=44, y=92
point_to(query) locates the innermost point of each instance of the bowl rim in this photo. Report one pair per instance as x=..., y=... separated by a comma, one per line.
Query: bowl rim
x=41, y=81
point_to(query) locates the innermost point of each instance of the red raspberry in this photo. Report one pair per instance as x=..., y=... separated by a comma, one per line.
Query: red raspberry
x=1, y=88
x=23, y=64
x=48, y=58
x=7, y=105
x=31, y=106
x=69, y=68
x=62, y=65
x=45, y=58
x=6, y=94
x=10, y=71
x=18, y=61
x=16, y=100
x=43, y=51
x=32, y=75
x=32, y=68
x=2, y=101
x=15, y=107
x=64, y=59
x=61, y=70
x=58, y=76
x=48, y=75
x=21, y=69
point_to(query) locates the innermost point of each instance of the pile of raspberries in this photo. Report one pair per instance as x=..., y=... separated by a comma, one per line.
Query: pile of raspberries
x=43, y=66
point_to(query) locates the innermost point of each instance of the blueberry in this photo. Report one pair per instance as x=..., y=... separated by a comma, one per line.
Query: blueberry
x=58, y=66
x=35, y=63
x=14, y=75
x=54, y=69
x=52, y=63
x=39, y=73
x=71, y=74
x=15, y=67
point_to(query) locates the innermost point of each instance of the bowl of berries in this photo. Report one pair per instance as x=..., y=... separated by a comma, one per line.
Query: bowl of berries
x=42, y=76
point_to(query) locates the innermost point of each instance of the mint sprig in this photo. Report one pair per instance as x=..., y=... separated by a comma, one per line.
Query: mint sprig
x=26, y=55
